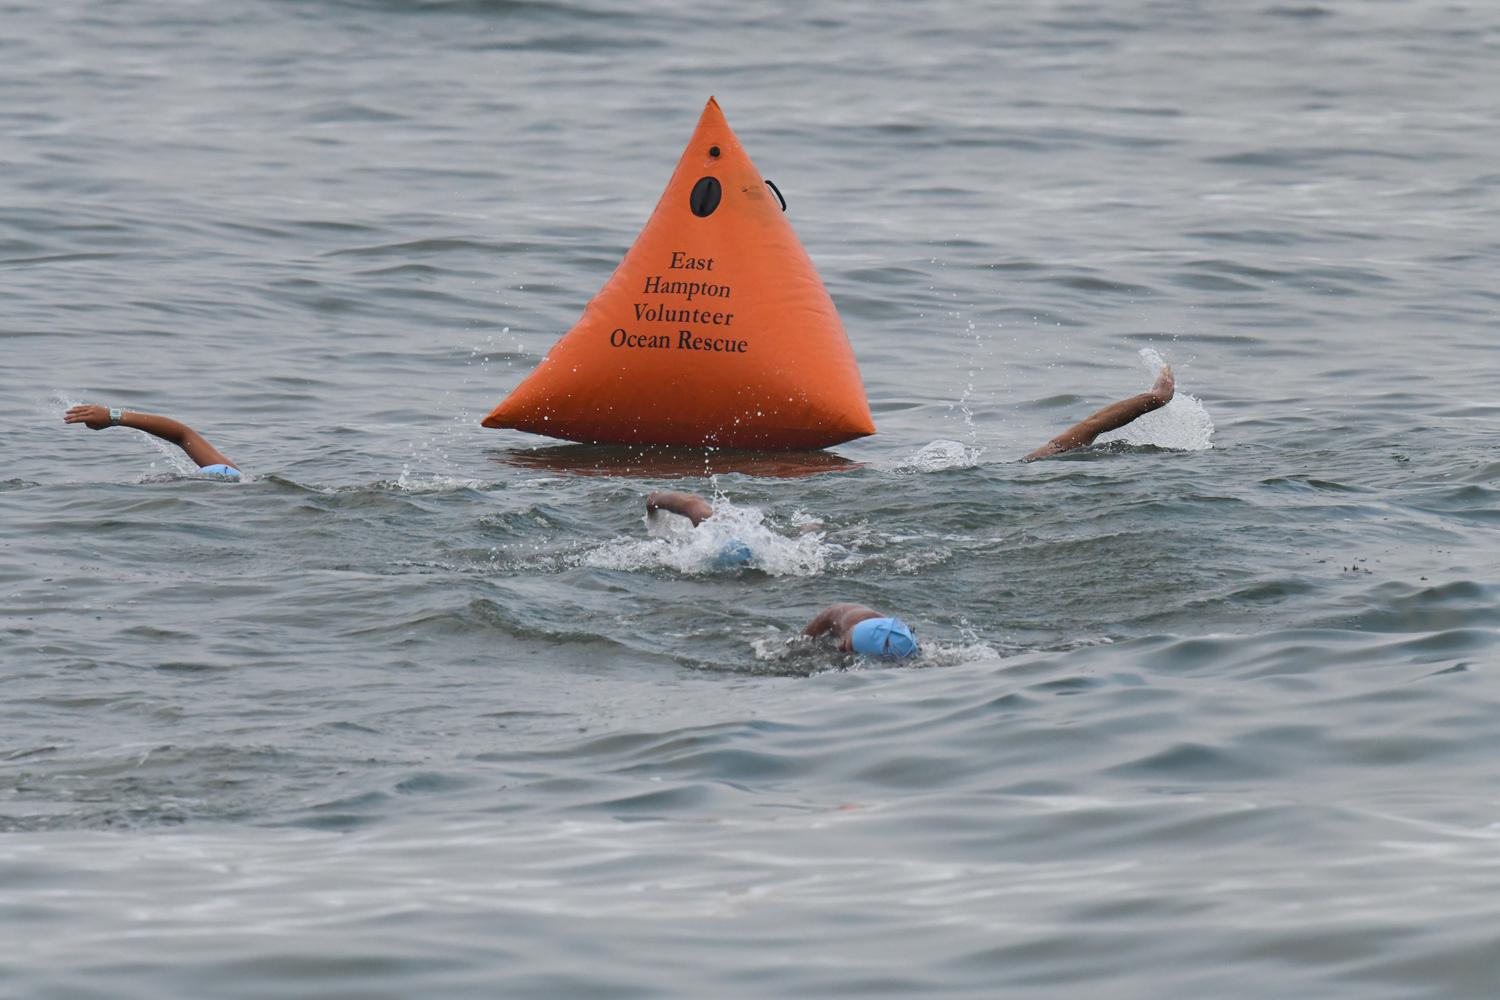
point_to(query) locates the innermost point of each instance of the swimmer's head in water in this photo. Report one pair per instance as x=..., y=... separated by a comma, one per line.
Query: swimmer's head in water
x=883, y=637
x=733, y=553
x=221, y=470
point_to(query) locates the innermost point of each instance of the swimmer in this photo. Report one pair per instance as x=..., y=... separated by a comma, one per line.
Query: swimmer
x=862, y=630
x=1112, y=417
x=734, y=552
x=96, y=418
x=696, y=509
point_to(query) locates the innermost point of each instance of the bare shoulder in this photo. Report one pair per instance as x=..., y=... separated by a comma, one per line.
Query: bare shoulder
x=840, y=617
x=827, y=619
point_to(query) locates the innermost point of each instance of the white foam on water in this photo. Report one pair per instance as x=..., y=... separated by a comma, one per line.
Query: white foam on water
x=435, y=483
x=675, y=544
x=938, y=654
x=778, y=648
x=790, y=650
x=938, y=456
x=1181, y=425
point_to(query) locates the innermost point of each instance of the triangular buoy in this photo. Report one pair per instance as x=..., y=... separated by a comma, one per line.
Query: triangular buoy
x=714, y=330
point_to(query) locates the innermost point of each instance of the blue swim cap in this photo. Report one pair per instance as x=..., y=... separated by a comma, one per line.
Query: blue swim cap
x=883, y=637
x=221, y=470
x=734, y=553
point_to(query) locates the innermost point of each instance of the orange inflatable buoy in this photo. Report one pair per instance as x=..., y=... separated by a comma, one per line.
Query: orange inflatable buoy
x=714, y=330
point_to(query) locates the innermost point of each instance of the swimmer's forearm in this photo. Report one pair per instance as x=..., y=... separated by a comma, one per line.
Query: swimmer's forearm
x=689, y=505
x=1117, y=415
x=163, y=427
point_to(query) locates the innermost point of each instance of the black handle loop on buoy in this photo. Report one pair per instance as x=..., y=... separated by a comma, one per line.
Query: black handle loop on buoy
x=773, y=187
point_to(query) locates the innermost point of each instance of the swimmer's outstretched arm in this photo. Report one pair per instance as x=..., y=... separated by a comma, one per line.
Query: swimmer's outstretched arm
x=840, y=618
x=1112, y=417
x=689, y=505
x=96, y=418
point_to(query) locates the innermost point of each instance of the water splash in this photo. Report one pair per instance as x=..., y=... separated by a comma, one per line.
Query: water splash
x=1181, y=425
x=435, y=483
x=940, y=455
x=174, y=457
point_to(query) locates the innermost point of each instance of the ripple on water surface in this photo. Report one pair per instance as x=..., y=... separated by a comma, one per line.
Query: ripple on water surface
x=418, y=708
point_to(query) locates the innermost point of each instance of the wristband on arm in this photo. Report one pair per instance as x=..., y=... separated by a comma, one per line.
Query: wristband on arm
x=114, y=416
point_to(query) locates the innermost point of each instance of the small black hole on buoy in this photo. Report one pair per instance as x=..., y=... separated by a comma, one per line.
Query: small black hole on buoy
x=713, y=150
x=705, y=197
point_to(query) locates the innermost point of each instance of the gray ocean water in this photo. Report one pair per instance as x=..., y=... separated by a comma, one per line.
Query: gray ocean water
x=420, y=709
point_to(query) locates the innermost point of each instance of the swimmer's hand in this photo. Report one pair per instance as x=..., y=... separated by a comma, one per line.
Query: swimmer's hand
x=689, y=505
x=1112, y=417
x=95, y=418
x=1165, y=387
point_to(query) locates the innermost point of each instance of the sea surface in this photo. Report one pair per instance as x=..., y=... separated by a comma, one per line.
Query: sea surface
x=419, y=709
